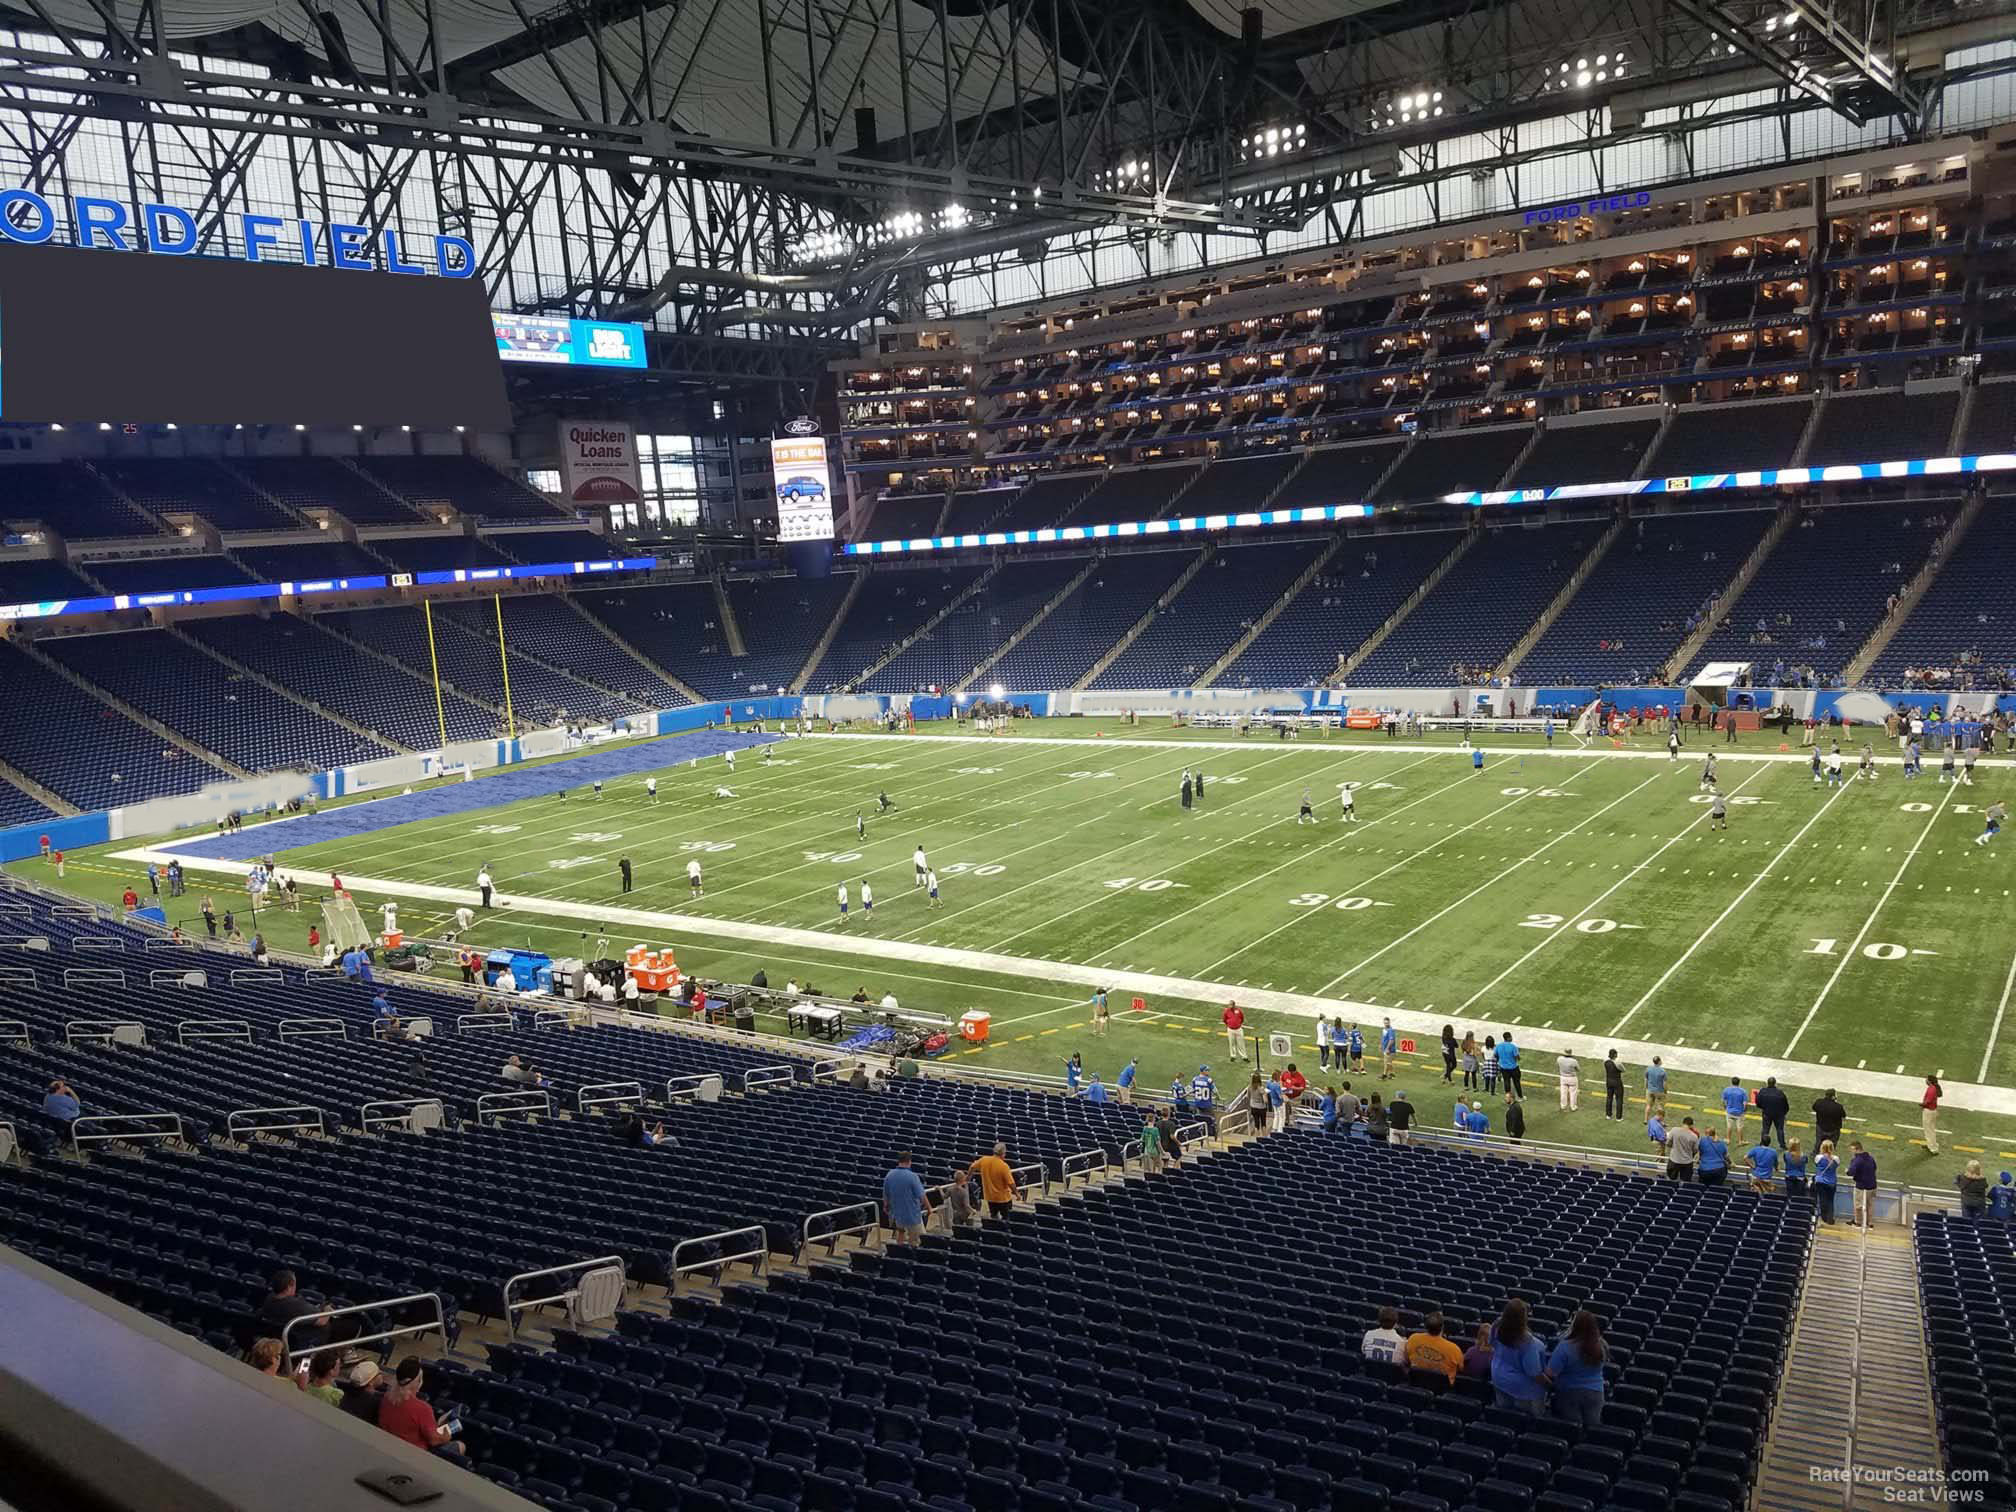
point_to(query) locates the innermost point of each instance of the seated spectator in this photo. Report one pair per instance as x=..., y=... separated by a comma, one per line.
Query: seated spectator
x=1973, y=1188
x=1428, y=1350
x=284, y=1304
x=381, y=1005
x=265, y=1356
x=404, y=1413
x=632, y=1132
x=1385, y=1344
x=514, y=1070
x=1477, y=1358
x=320, y=1380
x=61, y=1103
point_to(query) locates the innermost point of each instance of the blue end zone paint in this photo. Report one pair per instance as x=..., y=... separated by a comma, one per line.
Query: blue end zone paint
x=463, y=797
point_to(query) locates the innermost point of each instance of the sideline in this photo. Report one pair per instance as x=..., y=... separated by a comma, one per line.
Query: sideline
x=1970, y=1097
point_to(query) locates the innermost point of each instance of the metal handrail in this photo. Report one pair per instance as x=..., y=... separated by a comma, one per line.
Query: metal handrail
x=692, y=1086
x=542, y=1017
x=583, y=1102
x=100, y=1029
x=108, y=943
x=468, y=1022
x=185, y=979
x=231, y=1029
x=94, y=976
x=15, y=1029
x=258, y=976
x=1084, y=1163
x=10, y=1141
x=1608, y=1160
x=318, y=1122
x=439, y=1325
x=25, y=942
x=1130, y=1151
x=768, y=1076
x=1189, y=1134
x=501, y=1103
x=806, y=1238
x=77, y=1140
x=760, y=1254
x=1855, y=1373
x=833, y=1068
x=1042, y=1183
x=303, y=1028
x=512, y=1309
x=367, y=1119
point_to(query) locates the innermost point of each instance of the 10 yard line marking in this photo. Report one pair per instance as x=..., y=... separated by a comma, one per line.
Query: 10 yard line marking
x=1723, y=917
x=1996, y=1032
x=1868, y=923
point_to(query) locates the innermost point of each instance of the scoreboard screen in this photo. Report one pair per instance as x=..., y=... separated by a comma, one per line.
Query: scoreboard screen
x=152, y=339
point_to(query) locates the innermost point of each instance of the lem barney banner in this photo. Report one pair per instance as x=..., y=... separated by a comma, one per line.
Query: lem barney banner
x=804, y=488
x=598, y=462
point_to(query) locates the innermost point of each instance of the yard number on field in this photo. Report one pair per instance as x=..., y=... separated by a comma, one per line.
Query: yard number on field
x=1875, y=950
x=840, y=856
x=1349, y=905
x=1076, y=776
x=498, y=829
x=1140, y=884
x=1520, y=792
x=1583, y=926
x=707, y=845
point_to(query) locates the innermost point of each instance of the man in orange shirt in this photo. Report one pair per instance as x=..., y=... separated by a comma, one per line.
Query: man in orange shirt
x=997, y=1181
x=1234, y=1019
x=1428, y=1350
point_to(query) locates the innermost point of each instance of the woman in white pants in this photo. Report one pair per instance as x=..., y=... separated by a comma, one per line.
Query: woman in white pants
x=1571, y=1082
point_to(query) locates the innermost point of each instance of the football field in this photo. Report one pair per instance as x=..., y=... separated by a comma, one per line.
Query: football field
x=1850, y=932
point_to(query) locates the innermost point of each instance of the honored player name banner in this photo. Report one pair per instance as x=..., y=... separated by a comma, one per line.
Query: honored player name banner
x=598, y=462
x=804, y=487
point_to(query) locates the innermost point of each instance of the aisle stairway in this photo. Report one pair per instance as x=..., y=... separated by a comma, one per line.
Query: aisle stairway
x=1883, y=1342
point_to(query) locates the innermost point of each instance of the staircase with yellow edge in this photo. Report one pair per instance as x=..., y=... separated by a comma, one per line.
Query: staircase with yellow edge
x=1857, y=1386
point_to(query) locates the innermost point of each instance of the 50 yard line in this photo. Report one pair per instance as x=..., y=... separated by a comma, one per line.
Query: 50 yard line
x=1869, y=923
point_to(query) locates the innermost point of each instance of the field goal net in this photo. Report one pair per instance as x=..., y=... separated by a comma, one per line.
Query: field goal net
x=342, y=925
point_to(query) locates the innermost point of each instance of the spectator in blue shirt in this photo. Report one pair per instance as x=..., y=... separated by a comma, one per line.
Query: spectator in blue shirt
x=1826, y=1176
x=61, y=1104
x=1389, y=1046
x=1357, y=1049
x=903, y=1191
x=1477, y=1123
x=1096, y=1092
x=1763, y=1167
x=1735, y=1103
x=1518, y=1363
x=1655, y=1130
x=1203, y=1093
x=1796, y=1167
x=1179, y=1095
x=1714, y=1158
x=1074, y=1068
x=1576, y=1367
x=381, y=1005
x=1655, y=1087
x=1508, y=1065
x=2002, y=1198
x=1329, y=1110
x=1126, y=1082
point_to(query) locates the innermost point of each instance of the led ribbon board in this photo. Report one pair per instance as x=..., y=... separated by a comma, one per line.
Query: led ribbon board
x=1313, y=514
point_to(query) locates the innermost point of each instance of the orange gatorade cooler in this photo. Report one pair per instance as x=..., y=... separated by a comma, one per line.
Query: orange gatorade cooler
x=394, y=938
x=973, y=1025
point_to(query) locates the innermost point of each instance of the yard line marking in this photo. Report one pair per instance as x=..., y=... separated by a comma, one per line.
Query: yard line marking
x=1324, y=990
x=2000, y=1009
x=1723, y=917
x=1567, y=925
x=1855, y=945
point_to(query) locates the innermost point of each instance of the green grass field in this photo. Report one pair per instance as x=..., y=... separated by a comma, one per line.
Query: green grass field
x=1850, y=934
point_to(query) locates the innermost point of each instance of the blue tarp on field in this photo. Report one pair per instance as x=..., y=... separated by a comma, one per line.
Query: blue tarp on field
x=508, y=786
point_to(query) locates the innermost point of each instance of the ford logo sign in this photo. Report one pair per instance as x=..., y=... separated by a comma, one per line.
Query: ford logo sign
x=801, y=427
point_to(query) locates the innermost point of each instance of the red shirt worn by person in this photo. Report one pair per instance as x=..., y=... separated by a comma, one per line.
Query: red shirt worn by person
x=130, y=898
x=1931, y=1097
x=1294, y=1083
x=1234, y=1017
x=411, y=1420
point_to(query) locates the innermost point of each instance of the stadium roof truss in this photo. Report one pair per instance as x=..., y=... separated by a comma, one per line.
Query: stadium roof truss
x=760, y=176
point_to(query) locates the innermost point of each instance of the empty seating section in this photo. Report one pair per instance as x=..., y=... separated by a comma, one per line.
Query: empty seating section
x=70, y=499
x=157, y=574
x=310, y=563
x=1730, y=438
x=1967, y=1276
x=546, y=626
x=1454, y=462
x=1215, y=607
x=1134, y=493
x=81, y=748
x=31, y=580
x=1631, y=614
x=17, y=807
x=199, y=486
x=1339, y=475
x=317, y=666
x=958, y=643
x=678, y=628
x=1074, y=635
x=1236, y=483
x=464, y=484
x=443, y=553
x=781, y=620
x=891, y=606
x=325, y=483
x=1354, y=594
x=218, y=707
x=798, y=1394
x=1884, y=426
x=903, y=517
x=1605, y=452
x=1046, y=499
x=469, y=660
x=1962, y=625
x=1821, y=591
x=1991, y=422
x=1477, y=613
x=540, y=546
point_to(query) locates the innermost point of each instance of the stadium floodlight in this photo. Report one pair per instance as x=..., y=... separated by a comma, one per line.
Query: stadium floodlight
x=996, y=692
x=55, y=427
x=354, y=427
x=104, y=425
x=300, y=427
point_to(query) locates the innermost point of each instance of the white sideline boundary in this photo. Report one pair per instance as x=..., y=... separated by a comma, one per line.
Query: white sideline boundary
x=1971, y=1097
